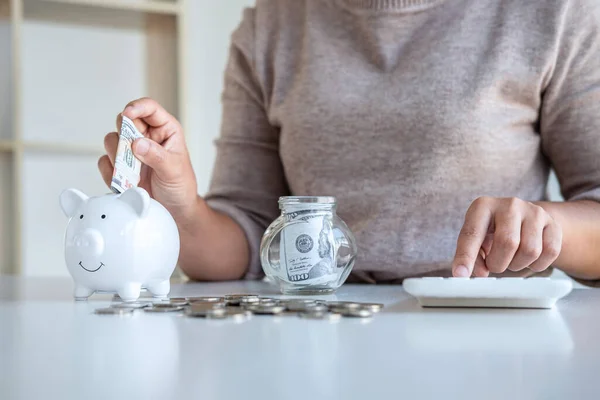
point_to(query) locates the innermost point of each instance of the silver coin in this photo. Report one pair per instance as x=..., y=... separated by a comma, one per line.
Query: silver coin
x=325, y=316
x=178, y=299
x=161, y=309
x=315, y=308
x=239, y=295
x=236, y=300
x=205, y=313
x=132, y=305
x=249, y=300
x=373, y=307
x=356, y=313
x=199, y=307
x=235, y=315
x=267, y=299
x=299, y=305
x=164, y=305
x=266, y=309
x=205, y=299
x=113, y=311
x=178, y=303
x=343, y=304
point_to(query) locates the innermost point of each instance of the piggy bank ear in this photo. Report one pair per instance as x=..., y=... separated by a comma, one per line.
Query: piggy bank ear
x=138, y=199
x=71, y=200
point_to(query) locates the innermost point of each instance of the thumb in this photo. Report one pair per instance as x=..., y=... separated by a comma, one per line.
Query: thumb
x=155, y=156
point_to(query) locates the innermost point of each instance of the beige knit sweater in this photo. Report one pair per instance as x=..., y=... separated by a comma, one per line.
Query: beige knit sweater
x=406, y=111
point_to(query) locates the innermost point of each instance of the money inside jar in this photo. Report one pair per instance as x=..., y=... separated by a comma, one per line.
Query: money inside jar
x=308, y=249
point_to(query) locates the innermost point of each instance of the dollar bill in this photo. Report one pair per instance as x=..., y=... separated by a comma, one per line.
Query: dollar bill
x=127, y=167
x=308, y=246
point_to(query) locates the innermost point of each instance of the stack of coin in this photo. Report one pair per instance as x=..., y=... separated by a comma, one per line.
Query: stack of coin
x=352, y=309
x=238, y=299
x=240, y=307
x=163, y=308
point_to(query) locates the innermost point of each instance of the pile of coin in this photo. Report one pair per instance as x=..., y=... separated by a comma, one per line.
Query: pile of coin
x=240, y=307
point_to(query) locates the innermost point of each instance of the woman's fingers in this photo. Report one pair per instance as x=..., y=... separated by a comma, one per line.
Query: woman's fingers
x=472, y=236
x=140, y=125
x=507, y=236
x=480, y=270
x=506, y=233
x=111, y=141
x=106, y=169
x=154, y=120
x=530, y=246
x=551, y=246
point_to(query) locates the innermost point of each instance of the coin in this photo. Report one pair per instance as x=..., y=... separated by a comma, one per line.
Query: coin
x=132, y=304
x=178, y=303
x=326, y=316
x=356, y=312
x=315, y=308
x=178, y=299
x=205, y=312
x=164, y=305
x=235, y=315
x=299, y=305
x=205, y=299
x=199, y=307
x=269, y=303
x=113, y=311
x=249, y=300
x=266, y=309
x=373, y=307
x=163, y=309
x=267, y=300
x=236, y=299
x=343, y=304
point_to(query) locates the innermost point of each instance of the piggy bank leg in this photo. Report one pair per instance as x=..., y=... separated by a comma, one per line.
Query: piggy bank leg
x=81, y=293
x=160, y=289
x=130, y=292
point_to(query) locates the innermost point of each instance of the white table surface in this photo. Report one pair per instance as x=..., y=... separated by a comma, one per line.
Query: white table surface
x=54, y=348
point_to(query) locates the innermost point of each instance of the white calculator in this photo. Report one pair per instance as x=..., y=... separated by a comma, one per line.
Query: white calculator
x=488, y=292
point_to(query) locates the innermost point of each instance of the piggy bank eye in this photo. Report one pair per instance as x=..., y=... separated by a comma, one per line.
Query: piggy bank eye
x=81, y=216
x=103, y=216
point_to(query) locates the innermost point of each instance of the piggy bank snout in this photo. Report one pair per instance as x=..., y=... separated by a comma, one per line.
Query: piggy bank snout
x=89, y=241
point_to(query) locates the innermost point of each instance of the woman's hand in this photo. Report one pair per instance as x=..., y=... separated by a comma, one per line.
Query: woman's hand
x=167, y=172
x=506, y=233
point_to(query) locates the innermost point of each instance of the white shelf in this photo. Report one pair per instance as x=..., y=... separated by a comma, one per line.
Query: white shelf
x=6, y=145
x=59, y=148
x=36, y=165
x=56, y=148
x=156, y=7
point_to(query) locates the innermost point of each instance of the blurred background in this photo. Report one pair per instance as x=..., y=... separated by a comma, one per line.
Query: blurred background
x=67, y=67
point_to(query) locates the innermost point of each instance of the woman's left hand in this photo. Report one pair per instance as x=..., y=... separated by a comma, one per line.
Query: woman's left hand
x=506, y=233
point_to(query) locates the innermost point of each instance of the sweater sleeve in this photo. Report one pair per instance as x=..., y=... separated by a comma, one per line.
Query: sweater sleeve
x=248, y=176
x=570, y=115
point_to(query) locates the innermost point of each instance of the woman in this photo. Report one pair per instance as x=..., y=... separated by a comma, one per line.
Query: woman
x=434, y=122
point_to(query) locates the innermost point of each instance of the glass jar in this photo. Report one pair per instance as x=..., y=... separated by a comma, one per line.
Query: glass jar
x=308, y=249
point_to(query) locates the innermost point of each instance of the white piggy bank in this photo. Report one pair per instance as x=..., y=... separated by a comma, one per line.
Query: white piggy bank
x=119, y=243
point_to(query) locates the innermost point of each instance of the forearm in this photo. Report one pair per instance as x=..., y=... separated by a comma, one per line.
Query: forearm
x=580, y=222
x=213, y=246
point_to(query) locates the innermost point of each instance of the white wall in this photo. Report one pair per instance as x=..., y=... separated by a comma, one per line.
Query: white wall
x=210, y=26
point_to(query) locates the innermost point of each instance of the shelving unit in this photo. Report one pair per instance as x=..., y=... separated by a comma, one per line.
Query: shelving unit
x=62, y=99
